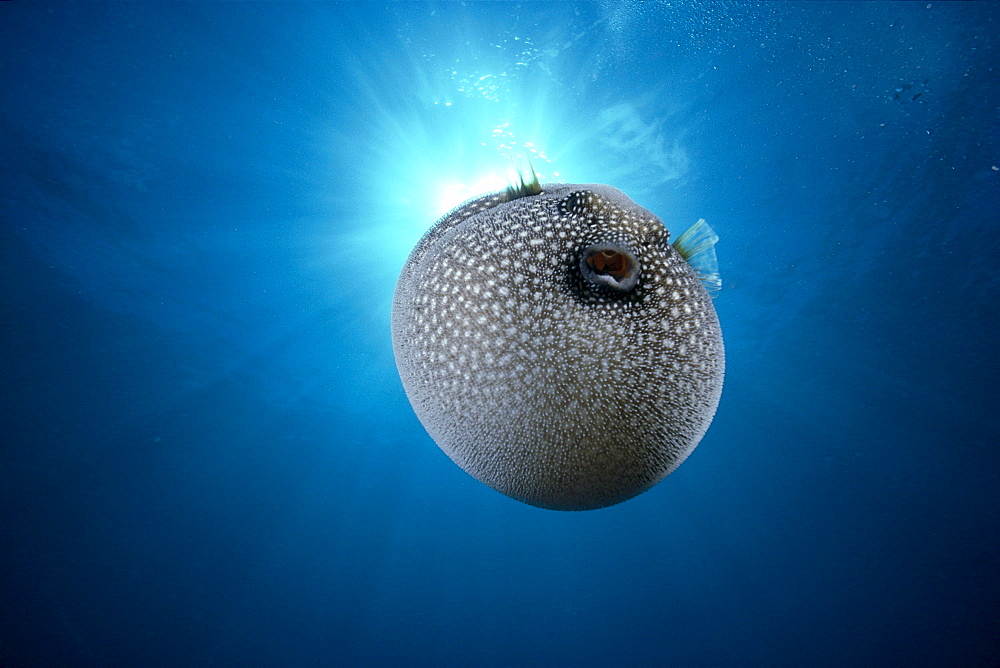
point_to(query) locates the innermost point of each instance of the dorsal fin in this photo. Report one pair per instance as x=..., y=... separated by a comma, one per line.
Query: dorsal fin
x=519, y=187
x=697, y=246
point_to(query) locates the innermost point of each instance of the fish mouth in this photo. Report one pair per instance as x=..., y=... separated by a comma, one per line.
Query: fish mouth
x=611, y=265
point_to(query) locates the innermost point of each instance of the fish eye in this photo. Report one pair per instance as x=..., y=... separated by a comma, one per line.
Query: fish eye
x=611, y=265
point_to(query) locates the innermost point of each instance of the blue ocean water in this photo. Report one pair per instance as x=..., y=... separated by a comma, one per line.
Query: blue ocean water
x=207, y=456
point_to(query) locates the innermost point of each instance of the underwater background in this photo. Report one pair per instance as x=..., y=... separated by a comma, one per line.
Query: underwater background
x=207, y=457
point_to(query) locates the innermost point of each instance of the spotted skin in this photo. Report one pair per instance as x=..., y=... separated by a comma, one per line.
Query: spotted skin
x=547, y=386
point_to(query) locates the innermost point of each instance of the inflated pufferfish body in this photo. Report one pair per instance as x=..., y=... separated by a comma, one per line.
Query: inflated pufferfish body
x=556, y=346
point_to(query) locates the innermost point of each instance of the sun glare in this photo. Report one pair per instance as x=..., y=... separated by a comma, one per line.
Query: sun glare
x=470, y=124
x=453, y=194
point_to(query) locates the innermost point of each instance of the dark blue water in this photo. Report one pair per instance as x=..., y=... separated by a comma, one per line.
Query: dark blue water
x=208, y=459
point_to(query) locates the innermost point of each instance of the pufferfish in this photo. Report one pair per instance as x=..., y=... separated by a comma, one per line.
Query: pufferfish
x=557, y=346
